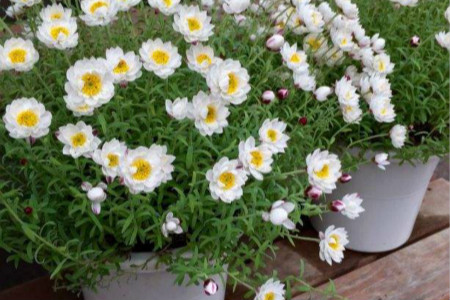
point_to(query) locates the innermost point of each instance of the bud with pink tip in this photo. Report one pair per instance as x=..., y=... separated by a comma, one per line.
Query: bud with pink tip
x=313, y=192
x=267, y=97
x=282, y=93
x=210, y=287
x=415, y=41
x=337, y=206
x=275, y=42
x=345, y=178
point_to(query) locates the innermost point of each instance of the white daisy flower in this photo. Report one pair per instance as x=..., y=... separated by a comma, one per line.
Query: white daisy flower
x=230, y=81
x=28, y=3
x=193, y=24
x=226, y=180
x=79, y=140
x=398, y=136
x=380, y=64
x=27, y=118
x=352, y=113
x=381, y=159
x=326, y=11
x=178, y=109
x=342, y=39
x=279, y=214
x=335, y=59
x=443, y=39
x=125, y=5
x=235, y=6
x=55, y=12
x=382, y=109
x=322, y=93
x=171, y=225
x=167, y=7
x=200, y=58
x=209, y=113
x=60, y=34
x=352, y=206
x=99, y=12
x=375, y=85
x=96, y=195
x=15, y=10
x=311, y=17
x=109, y=157
x=346, y=92
x=305, y=81
x=159, y=57
x=315, y=43
x=18, y=54
x=124, y=67
x=166, y=161
x=256, y=160
x=271, y=290
x=324, y=170
x=332, y=244
x=377, y=43
x=272, y=135
x=294, y=59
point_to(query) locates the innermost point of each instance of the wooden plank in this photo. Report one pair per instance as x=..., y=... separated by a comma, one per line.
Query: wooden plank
x=38, y=289
x=419, y=271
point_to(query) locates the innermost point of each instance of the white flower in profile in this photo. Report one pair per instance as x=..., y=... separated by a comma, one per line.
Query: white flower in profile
x=166, y=161
x=167, y=7
x=335, y=58
x=346, y=92
x=55, y=12
x=124, y=67
x=447, y=14
x=193, y=24
x=382, y=109
x=171, y=225
x=79, y=140
x=256, y=160
x=109, y=157
x=28, y=3
x=78, y=108
x=377, y=43
x=352, y=206
x=349, y=9
x=230, y=81
x=279, y=214
x=235, y=6
x=271, y=134
x=443, y=39
x=159, y=57
x=381, y=159
x=327, y=13
x=332, y=244
x=380, y=64
x=60, y=34
x=398, y=136
x=271, y=290
x=99, y=12
x=18, y=54
x=209, y=113
x=324, y=170
x=27, y=118
x=15, y=10
x=178, y=109
x=406, y=2
x=294, y=59
x=275, y=42
x=352, y=113
x=311, y=17
x=322, y=93
x=226, y=180
x=125, y=5
x=200, y=58
x=96, y=195
x=305, y=81
x=375, y=85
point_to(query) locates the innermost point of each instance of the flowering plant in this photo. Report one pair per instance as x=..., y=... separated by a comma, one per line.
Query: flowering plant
x=128, y=126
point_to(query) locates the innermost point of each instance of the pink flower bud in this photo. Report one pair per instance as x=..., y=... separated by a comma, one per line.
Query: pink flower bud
x=28, y=210
x=210, y=287
x=313, y=192
x=415, y=41
x=337, y=206
x=345, y=178
x=268, y=97
x=282, y=93
x=275, y=42
x=123, y=84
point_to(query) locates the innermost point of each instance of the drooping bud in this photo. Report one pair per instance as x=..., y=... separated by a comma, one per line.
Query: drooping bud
x=267, y=97
x=275, y=42
x=415, y=41
x=282, y=93
x=210, y=287
x=337, y=206
x=345, y=178
x=313, y=192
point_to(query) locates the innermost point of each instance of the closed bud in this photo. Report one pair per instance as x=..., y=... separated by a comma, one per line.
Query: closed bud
x=28, y=210
x=267, y=97
x=345, y=178
x=123, y=84
x=337, y=206
x=415, y=41
x=275, y=42
x=96, y=194
x=210, y=287
x=313, y=192
x=282, y=93
x=322, y=93
x=303, y=121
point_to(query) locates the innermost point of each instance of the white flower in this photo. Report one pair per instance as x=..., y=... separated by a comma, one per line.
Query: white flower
x=346, y=92
x=352, y=206
x=335, y=58
x=55, y=12
x=210, y=287
x=59, y=34
x=271, y=290
x=324, y=170
x=443, y=38
x=342, y=39
x=193, y=24
x=79, y=140
x=109, y=157
x=332, y=244
x=125, y=5
x=375, y=85
x=311, y=17
x=272, y=135
x=226, y=180
x=161, y=58
x=123, y=66
x=167, y=7
x=235, y=6
x=382, y=109
x=207, y=3
x=230, y=81
x=178, y=109
x=18, y=54
x=171, y=225
x=352, y=113
x=200, y=58
x=294, y=59
x=96, y=195
x=381, y=159
x=27, y=118
x=209, y=113
x=78, y=108
x=380, y=64
x=406, y=2
x=275, y=42
x=99, y=12
x=326, y=11
x=256, y=160
x=322, y=93
x=447, y=14
x=349, y=9
x=28, y=3
x=305, y=81
x=316, y=43
x=166, y=162
x=398, y=136
x=378, y=43
x=279, y=214
x=15, y=10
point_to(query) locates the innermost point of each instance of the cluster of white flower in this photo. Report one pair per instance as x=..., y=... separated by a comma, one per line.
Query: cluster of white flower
x=443, y=38
x=18, y=7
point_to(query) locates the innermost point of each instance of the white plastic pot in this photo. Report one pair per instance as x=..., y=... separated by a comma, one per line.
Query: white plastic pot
x=391, y=200
x=151, y=283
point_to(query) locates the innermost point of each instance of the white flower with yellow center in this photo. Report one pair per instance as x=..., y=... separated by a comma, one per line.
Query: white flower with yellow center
x=294, y=22
x=398, y=136
x=78, y=108
x=332, y=244
x=311, y=17
x=99, y=12
x=166, y=161
x=125, y=5
x=141, y=170
x=271, y=290
x=28, y=3
x=256, y=160
x=294, y=59
x=79, y=140
x=324, y=170
x=167, y=7
x=27, y=118
x=161, y=58
x=60, y=34
x=178, y=109
x=379, y=64
x=55, y=12
x=352, y=206
x=352, y=113
x=109, y=157
x=346, y=92
x=375, y=85
x=193, y=24
x=18, y=54
x=15, y=10
x=335, y=58
x=382, y=109
x=271, y=134
x=230, y=81
x=315, y=43
x=124, y=67
x=226, y=180
x=209, y=114
x=279, y=214
x=342, y=39
x=201, y=58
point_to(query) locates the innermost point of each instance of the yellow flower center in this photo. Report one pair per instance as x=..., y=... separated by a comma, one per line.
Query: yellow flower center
x=194, y=24
x=324, y=173
x=78, y=139
x=167, y=3
x=97, y=5
x=27, y=118
x=383, y=111
x=381, y=66
x=228, y=180
x=348, y=108
x=233, y=83
x=160, y=57
x=298, y=22
x=211, y=117
x=143, y=169
x=334, y=242
x=296, y=58
x=272, y=135
x=56, y=16
x=92, y=84
x=202, y=58
x=122, y=67
x=269, y=296
x=57, y=30
x=113, y=160
x=316, y=18
x=83, y=108
x=257, y=158
x=314, y=43
x=17, y=56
